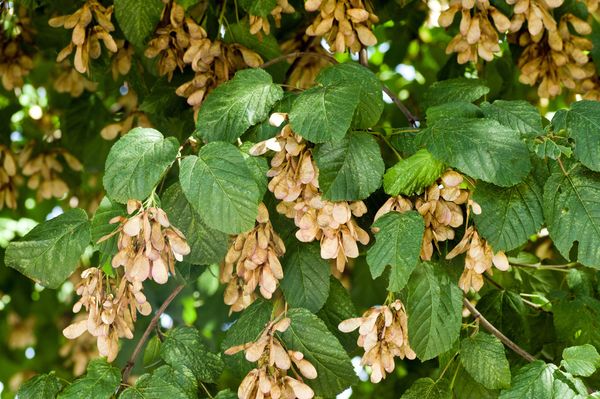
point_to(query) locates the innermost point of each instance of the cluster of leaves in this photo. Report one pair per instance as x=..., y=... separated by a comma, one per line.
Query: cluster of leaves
x=536, y=177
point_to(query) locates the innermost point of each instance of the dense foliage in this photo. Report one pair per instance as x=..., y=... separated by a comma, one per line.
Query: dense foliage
x=273, y=199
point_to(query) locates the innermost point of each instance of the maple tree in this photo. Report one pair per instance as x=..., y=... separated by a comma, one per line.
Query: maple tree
x=298, y=199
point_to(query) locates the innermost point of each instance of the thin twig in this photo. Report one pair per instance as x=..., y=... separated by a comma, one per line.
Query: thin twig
x=299, y=54
x=364, y=61
x=138, y=349
x=497, y=333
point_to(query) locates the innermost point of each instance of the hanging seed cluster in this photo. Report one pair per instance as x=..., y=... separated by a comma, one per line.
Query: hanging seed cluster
x=260, y=24
x=43, y=171
x=132, y=117
x=213, y=62
x=479, y=258
x=479, y=26
x=172, y=38
x=294, y=181
x=252, y=262
x=72, y=82
x=344, y=24
x=91, y=25
x=270, y=379
x=148, y=244
x=383, y=334
x=121, y=61
x=111, y=310
x=304, y=70
x=8, y=178
x=15, y=63
x=556, y=58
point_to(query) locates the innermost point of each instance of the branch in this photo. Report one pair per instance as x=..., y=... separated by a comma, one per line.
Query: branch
x=494, y=331
x=364, y=60
x=299, y=54
x=138, y=349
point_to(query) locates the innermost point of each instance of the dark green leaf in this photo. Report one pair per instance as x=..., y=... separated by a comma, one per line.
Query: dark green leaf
x=426, y=388
x=137, y=19
x=101, y=226
x=44, y=386
x=453, y=90
x=483, y=356
x=398, y=244
x=339, y=307
x=577, y=320
x=261, y=8
x=309, y=335
x=226, y=394
x=100, y=382
x=482, y=148
x=349, y=169
x=518, y=115
x=324, y=113
x=136, y=163
x=230, y=109
x=413, y=174
x=460, y=109
x=572, y=213
x=220, y=187
x=305, y=282
x=566, y=386
x=581, y=360
x=506, y=311
x=509, y=216
x=165, y=382
x=183, y=347
x=532, y=381
x=370, y=103
x=208, y=245
x=434, y=309
x=50, y=252
x=583, y=123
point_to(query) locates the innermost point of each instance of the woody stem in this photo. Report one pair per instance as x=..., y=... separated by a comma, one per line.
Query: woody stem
x=497, y=333
x=138, y=348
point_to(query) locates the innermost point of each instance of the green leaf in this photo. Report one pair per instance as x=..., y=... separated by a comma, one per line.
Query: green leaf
x=44, y=386
x=398, y=244
x=152, y=352
x=510, y=215
x=183, y=347
x=137, y=19
x=583, y=124
x=434, y=309
x=226, y=394
x=453, y=90
x=460, y=109
x=100, y=382
x=482, y=148
x=266, y=46
x=136, y=163
x=532, y=381
x=413, y=174
x=370, y=103
x=306, y=277
x=465, y=387
x=577, y=320
x=164, y=382
x=50, y=252
x=426, y=388
x=230, y=109
x=572, y=213
x=208, y=245
x=518, y=115
x=246, y=329
x=100, y=226
x=506, y=311
x=337, y=308
x=349, y=169
x=581, y=360
x=309, y=335
x=565, y=386
x=260, y=8
x=482, y=355
x=220, y=187
x=324, y=113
